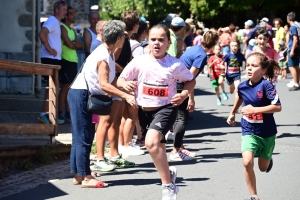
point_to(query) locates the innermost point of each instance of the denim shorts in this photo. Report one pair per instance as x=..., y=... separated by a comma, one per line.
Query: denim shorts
x=294, y=61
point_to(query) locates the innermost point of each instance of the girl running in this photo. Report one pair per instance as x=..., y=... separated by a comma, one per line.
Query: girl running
x=260, y=100
x=232, y=63
x=217, y=73
x=156, y=75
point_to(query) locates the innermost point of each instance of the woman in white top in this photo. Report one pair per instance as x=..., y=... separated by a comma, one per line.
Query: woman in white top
x=98, y=73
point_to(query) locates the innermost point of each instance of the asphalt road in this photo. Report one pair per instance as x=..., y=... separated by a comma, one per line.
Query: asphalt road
x=217, y=171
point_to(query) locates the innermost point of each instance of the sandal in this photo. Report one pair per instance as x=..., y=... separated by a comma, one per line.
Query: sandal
x=99, y=184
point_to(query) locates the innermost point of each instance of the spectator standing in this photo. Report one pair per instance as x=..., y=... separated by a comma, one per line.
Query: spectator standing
x=177, y=25
x=99, y=39
x=90, y=34
x=69, y=61
x=50, y=36
x=280, y=33
x=293, y=52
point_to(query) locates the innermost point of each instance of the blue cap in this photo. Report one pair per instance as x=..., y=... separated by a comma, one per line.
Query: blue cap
x=249, y=23
x=281, y=43
x=177, y=21
x=143, y=19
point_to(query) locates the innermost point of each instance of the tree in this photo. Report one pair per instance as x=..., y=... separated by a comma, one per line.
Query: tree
x=158, y=9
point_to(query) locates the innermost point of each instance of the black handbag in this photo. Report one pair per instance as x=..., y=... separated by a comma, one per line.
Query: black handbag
x=97, y=104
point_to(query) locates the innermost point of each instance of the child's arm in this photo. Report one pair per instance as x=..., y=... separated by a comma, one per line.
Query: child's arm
x=237, y=103
x=249, y=109
x=223, y=65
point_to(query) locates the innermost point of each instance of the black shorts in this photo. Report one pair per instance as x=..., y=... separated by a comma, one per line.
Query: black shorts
x=50, y=61
x=160, y=120
x=68, y=72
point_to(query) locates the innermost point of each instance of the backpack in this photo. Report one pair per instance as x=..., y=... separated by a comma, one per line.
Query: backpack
x=298, y=31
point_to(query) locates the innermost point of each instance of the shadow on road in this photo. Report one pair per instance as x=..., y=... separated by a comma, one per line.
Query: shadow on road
x=287, y=135
x=205, y=120
x=202, y=92
x=156, y=181
x=42, y=192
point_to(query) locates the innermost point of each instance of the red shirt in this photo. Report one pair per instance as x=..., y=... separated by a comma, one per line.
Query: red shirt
x=216, y=71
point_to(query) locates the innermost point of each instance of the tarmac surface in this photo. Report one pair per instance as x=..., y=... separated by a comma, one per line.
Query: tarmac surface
x=216, y=173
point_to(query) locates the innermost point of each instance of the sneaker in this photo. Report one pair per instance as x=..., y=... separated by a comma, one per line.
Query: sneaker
x=121, y=163
x=179, y=156
x=104, y=166
x=290, y=84
x=219, y=101
x=65, y=118
x=44, y=118
x=294, y=88
x=253, y=198
x=225, y=97
x=169, y=192
x=173, y=172
x=270, y=165
x=140, y=143
x=170, y=136
x=188, y=153
x=132, y=151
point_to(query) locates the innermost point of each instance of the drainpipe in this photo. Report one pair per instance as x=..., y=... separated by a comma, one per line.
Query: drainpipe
x=38, y=44
x=33, y=40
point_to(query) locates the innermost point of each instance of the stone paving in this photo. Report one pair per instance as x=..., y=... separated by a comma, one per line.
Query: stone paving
x=30, y=179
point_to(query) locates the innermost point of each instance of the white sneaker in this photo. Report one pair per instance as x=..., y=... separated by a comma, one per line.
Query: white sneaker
x=173, y=172
x=169, y=192
x=188, y=153
x=290, y=84
x=132, y=151
x=179, y=156
x=170, y=136
x=120, y=149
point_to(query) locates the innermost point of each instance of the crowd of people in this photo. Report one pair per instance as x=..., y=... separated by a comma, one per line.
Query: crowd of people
x=149, y=72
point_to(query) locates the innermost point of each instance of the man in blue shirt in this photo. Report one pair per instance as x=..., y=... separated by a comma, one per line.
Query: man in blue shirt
x=293, y=52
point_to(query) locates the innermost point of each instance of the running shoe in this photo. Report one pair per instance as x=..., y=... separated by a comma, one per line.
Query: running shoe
x=293, y=88
x=270, y=165
x=44, y=118
x=169, y=192
x=132, y=151
x=170, y=136
x=253, y=198
x=188, y=153
x=225, y=97
x=179, y=156
x=121, y=163
x=219, y=101
x=64, y=118
x=103, y=166
x=173, y=172
x=290, y=84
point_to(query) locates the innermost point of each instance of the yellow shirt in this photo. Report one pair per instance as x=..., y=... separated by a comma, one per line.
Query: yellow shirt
x=280, y=36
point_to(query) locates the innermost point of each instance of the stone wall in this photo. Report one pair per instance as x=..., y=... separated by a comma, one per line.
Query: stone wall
x=15, y=25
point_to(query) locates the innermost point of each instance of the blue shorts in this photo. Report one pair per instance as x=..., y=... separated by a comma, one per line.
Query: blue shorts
x=230, y=80
x=294, y=61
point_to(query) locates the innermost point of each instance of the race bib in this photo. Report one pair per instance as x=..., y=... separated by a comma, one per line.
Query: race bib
x=158, y=92
x=254, y=118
